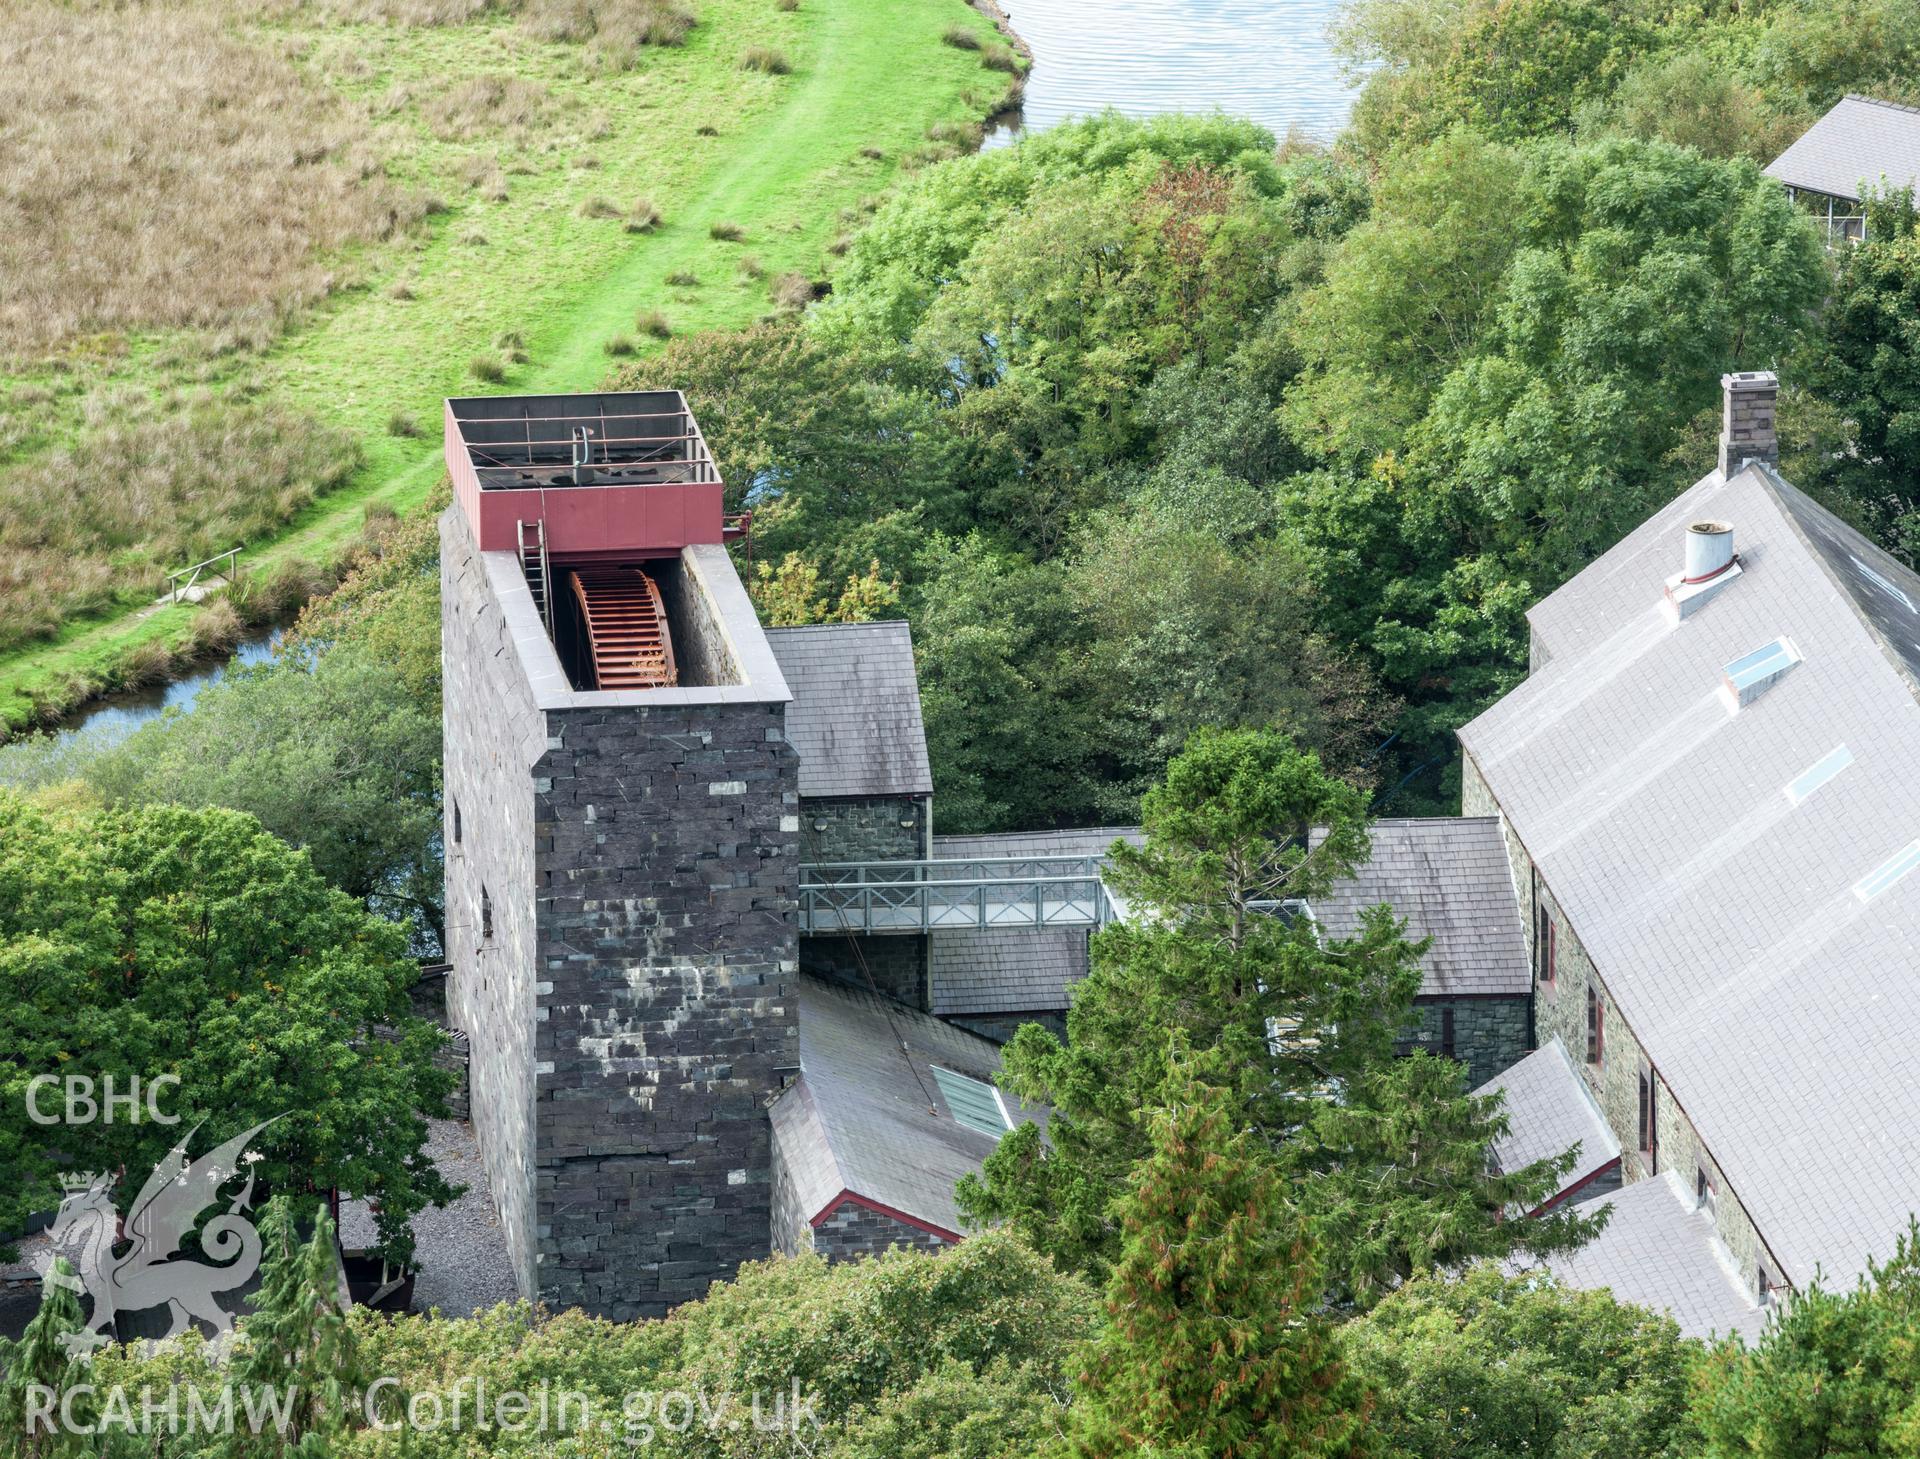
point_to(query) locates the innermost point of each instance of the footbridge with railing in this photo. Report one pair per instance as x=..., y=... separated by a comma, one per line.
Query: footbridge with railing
x=1032, y=892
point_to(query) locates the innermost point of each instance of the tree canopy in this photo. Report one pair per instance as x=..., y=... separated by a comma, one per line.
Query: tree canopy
x=163, y=941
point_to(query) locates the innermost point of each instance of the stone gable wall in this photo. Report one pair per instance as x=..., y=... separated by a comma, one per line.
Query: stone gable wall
x=863, y=830
x=853, y=1230
x=1490, y=1035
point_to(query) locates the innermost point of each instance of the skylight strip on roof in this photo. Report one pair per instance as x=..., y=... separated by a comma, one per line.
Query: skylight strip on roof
x=973, y=1102
x=1886, y=874
x=1763, y=663
x=1818, y=774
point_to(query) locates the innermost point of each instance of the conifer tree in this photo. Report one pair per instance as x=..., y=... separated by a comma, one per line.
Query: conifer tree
x=299, y=1340
x=40, y=1363
x=1215, y=1346
x=1299, y=1025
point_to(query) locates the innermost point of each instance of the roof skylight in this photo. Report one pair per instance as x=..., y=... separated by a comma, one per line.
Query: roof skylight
x=1887, y=873
x=1818, y=774
x=973, y=1102
x=1750, y=674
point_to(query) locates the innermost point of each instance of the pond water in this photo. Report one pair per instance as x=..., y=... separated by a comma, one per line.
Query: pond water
x=1271, y=60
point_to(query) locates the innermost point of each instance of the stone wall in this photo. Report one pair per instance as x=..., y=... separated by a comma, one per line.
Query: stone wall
x=1001, y=1027
x=852, y=1230
x=666, y=1010
x=896, y=963
x=1490, y=1035
x=891, y=828
x=1560, y=1009
x=493, y=734
x=621, y=874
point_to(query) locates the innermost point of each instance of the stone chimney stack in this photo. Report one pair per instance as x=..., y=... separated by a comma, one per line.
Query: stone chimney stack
x=1746, y=430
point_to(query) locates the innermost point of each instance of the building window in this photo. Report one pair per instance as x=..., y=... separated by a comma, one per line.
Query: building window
x=1546, y=950
x=973, y=1102
x=1446, y=1031
x=1647, y=1132
x=1703, y=1191
x=456, y=823
x=1763, y=1285
x=486, y=916
x=1596, y=1026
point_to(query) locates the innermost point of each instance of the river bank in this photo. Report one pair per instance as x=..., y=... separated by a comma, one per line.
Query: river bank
x=530, y=278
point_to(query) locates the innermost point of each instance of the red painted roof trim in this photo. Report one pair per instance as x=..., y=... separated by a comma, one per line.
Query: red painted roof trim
x=853, y=1198
x=1579, y=1185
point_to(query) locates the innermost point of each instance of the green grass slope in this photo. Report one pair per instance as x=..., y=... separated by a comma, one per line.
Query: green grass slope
x=552, y=263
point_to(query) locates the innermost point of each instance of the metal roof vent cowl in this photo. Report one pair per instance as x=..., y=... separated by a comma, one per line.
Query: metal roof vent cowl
x=1708, y=566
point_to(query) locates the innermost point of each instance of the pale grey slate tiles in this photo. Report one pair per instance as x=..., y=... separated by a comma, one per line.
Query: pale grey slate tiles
x=1550, y=1110
x=1448, y=877
x=1009, y=970
x=866, y=1114
x=1719, y=908
x=1658, y=1250
x=855, y=716
x=1861, y=141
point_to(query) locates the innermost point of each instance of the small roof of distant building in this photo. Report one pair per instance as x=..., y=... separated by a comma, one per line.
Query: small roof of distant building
x=1012, y=970
x=1448, y=877
x=868, y=1119
x=1738, y=877
x=855, y=716
x=1658, y=1250
x=1549, y=1111
x=1860, y=141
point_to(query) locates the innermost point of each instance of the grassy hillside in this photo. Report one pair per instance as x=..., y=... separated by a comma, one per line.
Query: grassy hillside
x=485, y=209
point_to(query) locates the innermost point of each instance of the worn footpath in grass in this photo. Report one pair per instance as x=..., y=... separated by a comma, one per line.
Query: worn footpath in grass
x=536, y=269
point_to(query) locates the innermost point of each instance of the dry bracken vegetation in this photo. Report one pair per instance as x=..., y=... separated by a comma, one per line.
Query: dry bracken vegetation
x=156, y=171
x=614, y=31
x=150, y=492
x=482, y=104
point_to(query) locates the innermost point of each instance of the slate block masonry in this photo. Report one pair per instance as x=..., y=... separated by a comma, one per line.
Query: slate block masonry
x=622, y=867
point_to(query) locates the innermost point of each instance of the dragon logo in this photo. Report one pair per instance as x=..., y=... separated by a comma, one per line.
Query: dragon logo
x=85, y=1231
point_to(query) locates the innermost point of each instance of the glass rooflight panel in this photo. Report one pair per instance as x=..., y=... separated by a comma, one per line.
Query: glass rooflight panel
x=1763, y=663
x=1887, y=873
x=973, y=1102
x=1818, y=774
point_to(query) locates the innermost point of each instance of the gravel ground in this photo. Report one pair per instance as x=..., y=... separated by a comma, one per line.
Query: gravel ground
x=461, y=1251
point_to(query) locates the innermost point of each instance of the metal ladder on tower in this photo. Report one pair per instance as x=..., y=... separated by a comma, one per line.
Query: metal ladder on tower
x=533, y=564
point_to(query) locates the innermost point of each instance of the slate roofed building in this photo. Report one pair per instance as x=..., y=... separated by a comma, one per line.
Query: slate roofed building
x=1706, y=790
x=1447, y=878
x=1861, y=143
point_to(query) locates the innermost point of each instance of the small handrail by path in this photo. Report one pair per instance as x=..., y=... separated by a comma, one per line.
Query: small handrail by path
x=178, y=591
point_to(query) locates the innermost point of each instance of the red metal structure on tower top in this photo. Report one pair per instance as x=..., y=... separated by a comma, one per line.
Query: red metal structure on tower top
x=613, y=477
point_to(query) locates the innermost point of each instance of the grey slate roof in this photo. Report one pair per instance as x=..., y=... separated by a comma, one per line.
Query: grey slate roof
x=1860, y=141
x=1720, y=912
x=1549, y=1111
x=1658, y=1250
x=1008, y=970
x=855, y=716
x=866, y=1116
x=1448, y=878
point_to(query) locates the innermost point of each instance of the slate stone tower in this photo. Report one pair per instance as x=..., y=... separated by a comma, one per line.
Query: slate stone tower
x=622, y=837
